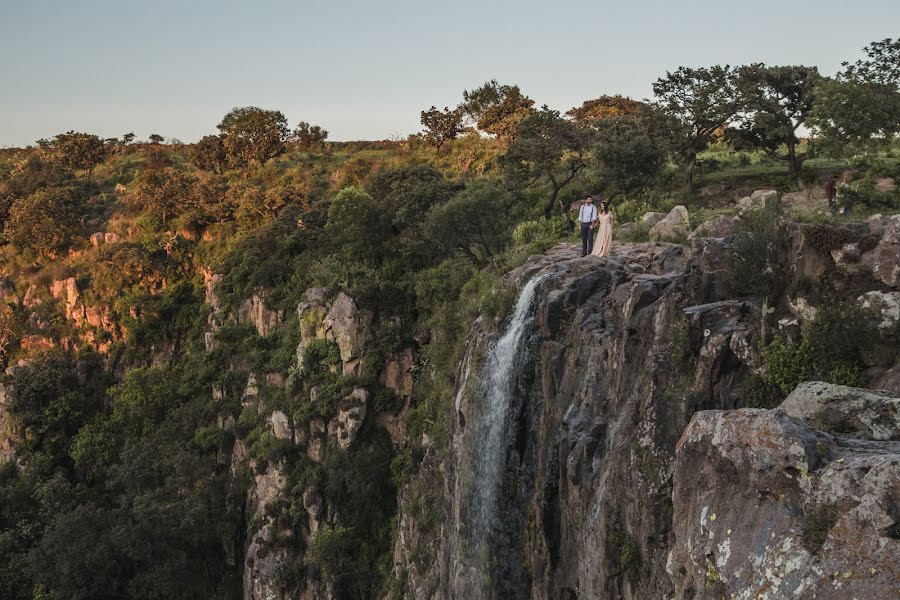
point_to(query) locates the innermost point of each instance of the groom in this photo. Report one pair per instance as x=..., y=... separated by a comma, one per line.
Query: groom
x=587, y=214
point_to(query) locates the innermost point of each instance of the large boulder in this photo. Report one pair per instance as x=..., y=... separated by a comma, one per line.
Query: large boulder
x=768, y=506
x=717, y=227
x=349, y=327
x=675, y=224
x=886, y=305
x=254, y=311
x=350, y=418
x=653, y=217
x=853, y=412
x=884, y=259
x=759, y=199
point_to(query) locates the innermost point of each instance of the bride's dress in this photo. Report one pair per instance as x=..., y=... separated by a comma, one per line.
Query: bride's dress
x=603, y=242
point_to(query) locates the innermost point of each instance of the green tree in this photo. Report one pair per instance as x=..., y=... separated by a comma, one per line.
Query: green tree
x=357, y=224
x=76, y=150
x=209, y=153
x=441, y=125
x=699, y=103
x=472, y=222
x=155, y=138
x=44, y=221
x=591, y=112
x=547, y=148
x=497, y=109
x=859, y=110
x=253, y=135
x=774, y=103
x=627, y=154
x=309, y=136
x=165, y=192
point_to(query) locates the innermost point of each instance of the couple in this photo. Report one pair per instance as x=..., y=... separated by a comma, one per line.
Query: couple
x=590, y=218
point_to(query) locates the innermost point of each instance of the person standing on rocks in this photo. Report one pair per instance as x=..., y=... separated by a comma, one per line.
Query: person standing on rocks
x=587, y=214
x=604, y=226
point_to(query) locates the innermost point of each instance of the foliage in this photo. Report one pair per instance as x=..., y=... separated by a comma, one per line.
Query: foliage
x=817, y=523
x=774, y=103
x=253, y=135
x=441, y=126
x=547, y=147
x=497, y=109
x=77, y=150
x=43, y=221
x=832, y=348
x=697, y=105
x=628, y=154
x=309, y=136
x=594, y=112
x=758, y=253
x=472, y=222
x=209, y=153
x=163, y=192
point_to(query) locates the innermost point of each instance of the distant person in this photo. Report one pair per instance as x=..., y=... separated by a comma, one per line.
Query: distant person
x=831, y=193
x=587, y=214
x=604, y=226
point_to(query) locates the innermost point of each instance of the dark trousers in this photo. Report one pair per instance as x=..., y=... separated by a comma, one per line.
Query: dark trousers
x=587, y=240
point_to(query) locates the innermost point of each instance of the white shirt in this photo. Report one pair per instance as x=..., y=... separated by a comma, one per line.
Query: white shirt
x=589, y=215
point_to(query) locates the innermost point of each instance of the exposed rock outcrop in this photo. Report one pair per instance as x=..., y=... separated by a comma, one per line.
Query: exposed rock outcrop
x=800, y=501
x=674, y=225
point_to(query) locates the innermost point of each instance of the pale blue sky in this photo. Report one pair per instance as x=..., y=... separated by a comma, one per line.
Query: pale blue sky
x=364, y=69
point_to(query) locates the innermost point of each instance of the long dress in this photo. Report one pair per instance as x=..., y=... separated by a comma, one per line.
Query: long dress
x=603, y=241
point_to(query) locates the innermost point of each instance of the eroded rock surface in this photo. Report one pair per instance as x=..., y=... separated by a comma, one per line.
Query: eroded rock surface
x=799, y=501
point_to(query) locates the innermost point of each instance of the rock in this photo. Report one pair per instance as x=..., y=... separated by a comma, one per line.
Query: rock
x=315, y=448
x=810, y=200
x=350, y=419
x=315, y=508
x=765, y=506
x=801, y=308
x=349, y=328
x=311, y=312
x=884, y=259
x=251, y=391
x=281, y=429
x=255, y=312
x=885, y=184
x=97, y=239
x=760, y=199
x=397, y=374
x=887, y=304
x=653, y=217
x=716, y=189
x=853, y=412
x=718, y=227
x=674, y=225
x=112, y=238
x=624, y=229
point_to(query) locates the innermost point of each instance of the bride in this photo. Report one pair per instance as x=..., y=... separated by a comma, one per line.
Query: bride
x=603, y=242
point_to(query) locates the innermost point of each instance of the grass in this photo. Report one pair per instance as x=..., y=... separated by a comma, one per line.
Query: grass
x=816, y=525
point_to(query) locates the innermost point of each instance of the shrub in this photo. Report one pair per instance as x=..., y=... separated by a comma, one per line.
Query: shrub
x=320, y=356
x=758, y=254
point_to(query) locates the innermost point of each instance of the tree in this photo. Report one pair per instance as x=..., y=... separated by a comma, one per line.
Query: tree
x=407, y=193
x=441, y=126
x=155, y=138
x=547, y=147
x=165, y=192
x=774, y=103
x=627, y=154
x=309, y=136
x=357, y=224
x=497, y=109
x=605, y=107
x=699, y=102
x=468, y=223
x=76, y=150
x=859, y=110
x=252, y=134
x=42, y=221
x=209, y=153
x=128, y=138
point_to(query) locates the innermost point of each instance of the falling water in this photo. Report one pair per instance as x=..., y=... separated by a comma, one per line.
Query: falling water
x=497, y=397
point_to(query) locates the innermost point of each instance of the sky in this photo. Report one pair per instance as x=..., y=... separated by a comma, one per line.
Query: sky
x=365, y=69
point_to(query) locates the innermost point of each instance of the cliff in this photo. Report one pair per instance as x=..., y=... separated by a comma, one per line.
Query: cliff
x=602, y=444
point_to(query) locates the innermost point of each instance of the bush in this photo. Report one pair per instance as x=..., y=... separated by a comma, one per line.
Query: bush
x=539, y=230
x=320, y=356
x=758, y=254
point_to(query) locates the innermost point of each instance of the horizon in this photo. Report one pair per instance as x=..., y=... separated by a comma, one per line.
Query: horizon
x=363, y=72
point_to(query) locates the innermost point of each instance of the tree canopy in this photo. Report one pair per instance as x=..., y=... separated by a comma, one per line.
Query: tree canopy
x=497, y=109
x=253, y=135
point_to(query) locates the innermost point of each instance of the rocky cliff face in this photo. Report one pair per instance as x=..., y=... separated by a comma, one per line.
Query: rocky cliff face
x=565, y=477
